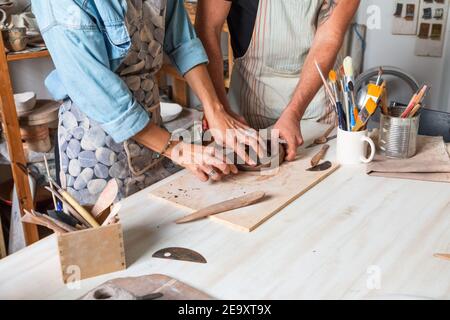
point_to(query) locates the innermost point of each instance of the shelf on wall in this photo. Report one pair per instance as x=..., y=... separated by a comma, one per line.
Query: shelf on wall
x=27, y=55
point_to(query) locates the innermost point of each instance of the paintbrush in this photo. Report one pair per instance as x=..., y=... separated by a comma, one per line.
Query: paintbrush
x=380, y=74
x=325, y=84
x=346, y=106
x=355, y=109
x=332, y=76
x=349, y=73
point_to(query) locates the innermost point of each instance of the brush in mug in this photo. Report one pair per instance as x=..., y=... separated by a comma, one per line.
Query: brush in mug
x=333, y=98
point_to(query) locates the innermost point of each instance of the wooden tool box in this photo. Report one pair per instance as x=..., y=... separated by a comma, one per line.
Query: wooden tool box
x=91, y=252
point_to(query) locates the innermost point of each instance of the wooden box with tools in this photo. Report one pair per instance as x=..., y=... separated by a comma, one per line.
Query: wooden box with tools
x=90, y=240
x=91, y=252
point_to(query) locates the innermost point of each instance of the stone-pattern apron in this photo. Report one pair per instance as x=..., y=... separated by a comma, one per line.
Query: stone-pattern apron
x=265, y=78
x=89, y=157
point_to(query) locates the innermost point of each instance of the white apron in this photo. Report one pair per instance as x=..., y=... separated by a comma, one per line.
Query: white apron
x=265, y=78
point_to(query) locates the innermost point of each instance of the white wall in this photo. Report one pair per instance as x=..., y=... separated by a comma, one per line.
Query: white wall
x=383, y=48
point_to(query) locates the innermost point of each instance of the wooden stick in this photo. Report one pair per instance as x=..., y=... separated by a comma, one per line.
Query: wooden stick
x=444, y=256
x=3, y=251
x=49, y=181
x=323, y=139
x=71, y=210
x=60, y=224
x=325, y=84
x=30, y=218
x=416, y=99
x=114, y=212
x=320, y=155
x=228, y=205
x=75, y=205
x=415, y=110
x=106, y=198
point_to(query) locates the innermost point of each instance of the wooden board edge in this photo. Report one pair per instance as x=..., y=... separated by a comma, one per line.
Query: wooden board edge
x=229, y=224
x=287, y=203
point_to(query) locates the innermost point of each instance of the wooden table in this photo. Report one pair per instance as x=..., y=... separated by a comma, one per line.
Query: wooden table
x=349, y=234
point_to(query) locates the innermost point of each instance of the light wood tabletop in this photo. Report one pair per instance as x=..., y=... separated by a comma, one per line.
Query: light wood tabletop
x=350, y=237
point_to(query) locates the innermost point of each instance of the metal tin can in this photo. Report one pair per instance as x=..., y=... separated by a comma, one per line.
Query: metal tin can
x=398, y=136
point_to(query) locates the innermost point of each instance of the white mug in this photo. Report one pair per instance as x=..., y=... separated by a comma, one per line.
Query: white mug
x=352, y=147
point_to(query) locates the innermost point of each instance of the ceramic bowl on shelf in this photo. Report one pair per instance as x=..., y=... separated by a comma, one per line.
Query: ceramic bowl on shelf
x=25, y=101
x=170, y=111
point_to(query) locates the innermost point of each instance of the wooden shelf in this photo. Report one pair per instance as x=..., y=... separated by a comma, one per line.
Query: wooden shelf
x=11, y=131
x=28, y=55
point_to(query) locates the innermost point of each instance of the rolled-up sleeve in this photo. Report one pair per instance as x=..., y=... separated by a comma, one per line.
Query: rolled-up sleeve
x=181, y=43
x=82, y=66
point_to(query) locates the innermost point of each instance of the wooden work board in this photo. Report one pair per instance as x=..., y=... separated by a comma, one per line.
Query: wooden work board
x=282, y=186
x=171, y=288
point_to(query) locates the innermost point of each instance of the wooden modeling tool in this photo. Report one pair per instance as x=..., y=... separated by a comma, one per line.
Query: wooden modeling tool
x=71, y=210
x=444, y=256
x=106, y=198
x=180, y=254
x=75, y=205
x=324, y=166
x=112, y=215
x=324, y=138
x=30, y=218
x=50, y=183
x=415, y=110
x=320, y=155
x=416, y=99
x=59, y=223
x=225, y=206
x=63, y=217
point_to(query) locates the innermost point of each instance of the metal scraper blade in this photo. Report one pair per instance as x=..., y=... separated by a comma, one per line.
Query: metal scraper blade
x=180, y=254
x=321, y=167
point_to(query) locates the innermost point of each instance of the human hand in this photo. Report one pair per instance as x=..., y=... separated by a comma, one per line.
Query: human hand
x=229, y=131
x=288, y=128
x=204, y=162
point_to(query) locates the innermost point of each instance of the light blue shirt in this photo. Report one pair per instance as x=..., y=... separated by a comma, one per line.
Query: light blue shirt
x=88, y=40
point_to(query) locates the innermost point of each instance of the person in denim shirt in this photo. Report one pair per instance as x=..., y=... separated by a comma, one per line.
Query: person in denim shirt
x=91, y=43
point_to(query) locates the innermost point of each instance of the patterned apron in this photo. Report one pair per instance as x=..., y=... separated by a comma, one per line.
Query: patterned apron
x=89, y=157
x=265, y=78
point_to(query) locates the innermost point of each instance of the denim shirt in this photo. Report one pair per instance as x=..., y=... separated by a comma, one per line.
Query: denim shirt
x=88, y=40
